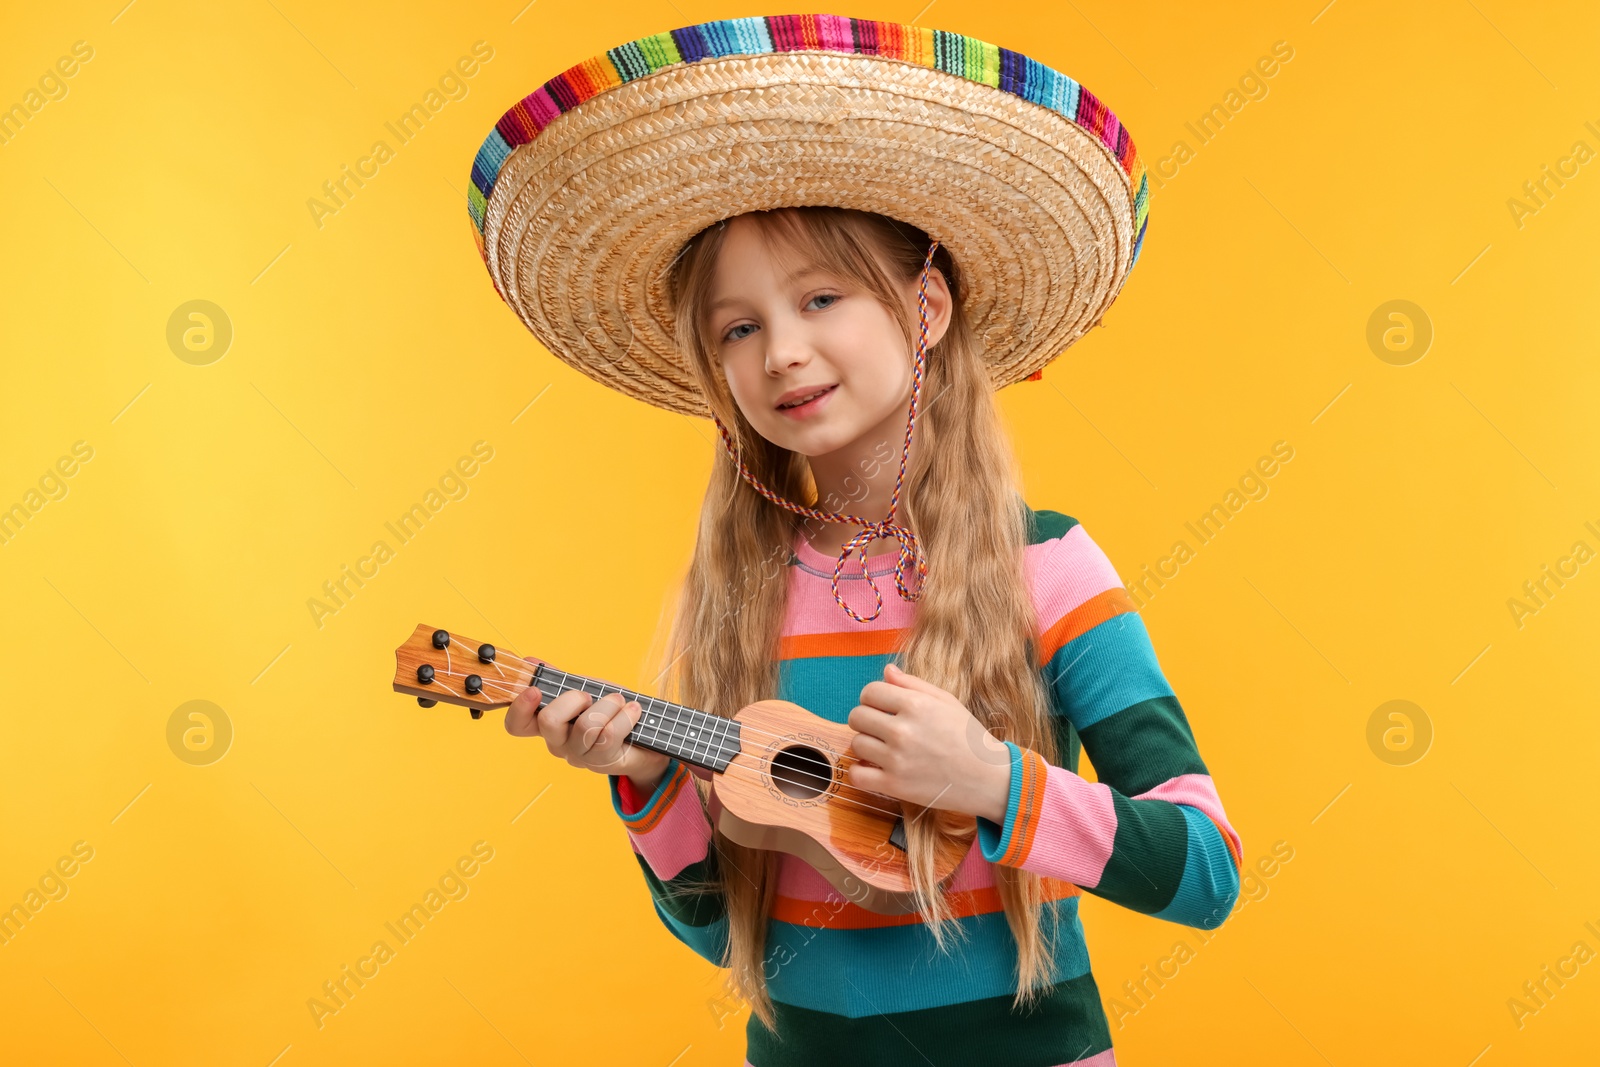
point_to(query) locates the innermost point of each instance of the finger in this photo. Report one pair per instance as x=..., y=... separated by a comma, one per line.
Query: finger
x=894, y=674
x=587, y=726
x=610, y=746
x=521, y=716
x=868, y=779
x=869, y=748
x=888, y=697
x=871, y=721
x=555, y=720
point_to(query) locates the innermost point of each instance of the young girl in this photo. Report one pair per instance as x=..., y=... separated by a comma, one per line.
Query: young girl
x=839, y=353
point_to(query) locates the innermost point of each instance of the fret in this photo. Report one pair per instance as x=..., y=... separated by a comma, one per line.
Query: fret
x=649, y=719
x=679, y=732
x=684, y=733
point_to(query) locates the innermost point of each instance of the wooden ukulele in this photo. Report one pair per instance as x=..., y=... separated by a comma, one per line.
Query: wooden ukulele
x=777, y=769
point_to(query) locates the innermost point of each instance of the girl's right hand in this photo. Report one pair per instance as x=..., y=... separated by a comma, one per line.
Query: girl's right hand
x=588, y=733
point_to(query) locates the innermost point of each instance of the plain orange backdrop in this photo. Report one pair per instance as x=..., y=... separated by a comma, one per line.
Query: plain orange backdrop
x=369, y=353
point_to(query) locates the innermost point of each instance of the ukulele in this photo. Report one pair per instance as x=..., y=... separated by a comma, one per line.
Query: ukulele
x=777, y=769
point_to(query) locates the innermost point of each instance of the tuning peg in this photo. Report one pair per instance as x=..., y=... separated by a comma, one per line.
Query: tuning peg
x=441, y=638
x=474, y=685
x=425, y=674
x=485, y=653
x=425, y=702
x=477, y=713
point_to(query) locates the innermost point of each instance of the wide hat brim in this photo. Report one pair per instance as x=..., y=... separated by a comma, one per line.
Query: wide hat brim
x=586, y=191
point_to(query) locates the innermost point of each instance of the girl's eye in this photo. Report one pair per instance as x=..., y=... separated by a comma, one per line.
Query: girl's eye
x=731, y=335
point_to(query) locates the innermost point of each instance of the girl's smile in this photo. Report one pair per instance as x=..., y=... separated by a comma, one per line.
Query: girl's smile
x=804, y=403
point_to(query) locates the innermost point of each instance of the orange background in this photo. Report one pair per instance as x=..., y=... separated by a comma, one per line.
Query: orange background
x=369, y=353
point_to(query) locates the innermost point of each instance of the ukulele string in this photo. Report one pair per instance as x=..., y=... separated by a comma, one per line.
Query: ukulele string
x=844, y=761
x=814, y=781
x=756, y=776
x=743, y=727
x=686, y=741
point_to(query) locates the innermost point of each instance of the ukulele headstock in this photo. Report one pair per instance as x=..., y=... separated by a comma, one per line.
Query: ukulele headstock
x=436, y=665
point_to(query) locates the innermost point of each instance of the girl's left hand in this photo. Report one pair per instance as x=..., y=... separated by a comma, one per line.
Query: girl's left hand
x=927, y=748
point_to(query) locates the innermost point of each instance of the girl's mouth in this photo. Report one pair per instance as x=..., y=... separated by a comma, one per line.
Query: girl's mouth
x=811, y=406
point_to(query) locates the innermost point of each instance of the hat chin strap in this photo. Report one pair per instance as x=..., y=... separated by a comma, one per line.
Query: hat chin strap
x=872, y=529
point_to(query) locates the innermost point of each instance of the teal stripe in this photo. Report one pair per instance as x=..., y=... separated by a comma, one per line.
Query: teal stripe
x=629, y=61
x=829, y=686
x=655, y=798
x=993, y=839
x=899, y=968
x=1109, y=668
x=1210, y=883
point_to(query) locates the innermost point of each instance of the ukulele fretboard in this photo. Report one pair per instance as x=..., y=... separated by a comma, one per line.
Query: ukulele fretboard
x=696, y=737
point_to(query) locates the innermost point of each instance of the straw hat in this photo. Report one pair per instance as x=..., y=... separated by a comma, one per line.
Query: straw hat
x=587, y=189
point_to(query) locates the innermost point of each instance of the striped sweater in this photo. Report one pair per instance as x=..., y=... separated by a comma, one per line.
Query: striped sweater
x=851, y=986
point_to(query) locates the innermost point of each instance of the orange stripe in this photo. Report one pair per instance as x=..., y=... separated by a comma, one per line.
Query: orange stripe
x=1083, y=618
x=868, y=643
x=659, y=812
x=842, y=915
x=1028, y=805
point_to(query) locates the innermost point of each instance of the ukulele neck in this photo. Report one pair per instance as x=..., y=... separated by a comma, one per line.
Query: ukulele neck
x=696, y=737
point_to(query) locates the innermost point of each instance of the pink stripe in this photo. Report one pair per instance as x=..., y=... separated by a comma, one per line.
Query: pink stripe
x=681, y=837
x=1077, y=826
x=812, y=609
x=543, y=109
x=1113, y=131
x=1063, y=572
x=1197, y=791
x=833, y=32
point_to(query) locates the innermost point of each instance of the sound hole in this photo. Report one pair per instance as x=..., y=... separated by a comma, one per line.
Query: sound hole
x=802, y=772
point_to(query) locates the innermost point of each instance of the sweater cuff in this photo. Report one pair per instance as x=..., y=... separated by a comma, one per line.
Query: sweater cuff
x=1009, y=844
x=625, y=800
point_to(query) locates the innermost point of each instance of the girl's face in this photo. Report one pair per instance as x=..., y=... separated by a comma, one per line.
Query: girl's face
x=780, y=339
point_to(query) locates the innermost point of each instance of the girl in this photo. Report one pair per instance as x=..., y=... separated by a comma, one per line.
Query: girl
x=825, y=335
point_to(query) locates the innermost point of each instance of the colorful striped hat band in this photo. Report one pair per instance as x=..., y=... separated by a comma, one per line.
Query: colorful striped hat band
x=585, y=192
x=871, y=530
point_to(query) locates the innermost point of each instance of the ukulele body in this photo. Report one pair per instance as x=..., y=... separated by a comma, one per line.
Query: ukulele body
x=787, y=790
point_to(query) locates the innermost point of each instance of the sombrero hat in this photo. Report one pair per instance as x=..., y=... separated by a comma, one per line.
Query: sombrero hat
x=587, y=189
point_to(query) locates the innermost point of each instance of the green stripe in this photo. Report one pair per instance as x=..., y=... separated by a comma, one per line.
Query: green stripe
x=1136, y=749
x=689, y=906
x=1147, y=856
x=1047, y=525
x=1069, y=1024
x=659, y=51
x=1067, y=743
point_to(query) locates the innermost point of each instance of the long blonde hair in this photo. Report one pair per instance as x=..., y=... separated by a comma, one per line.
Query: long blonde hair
x=974, y=631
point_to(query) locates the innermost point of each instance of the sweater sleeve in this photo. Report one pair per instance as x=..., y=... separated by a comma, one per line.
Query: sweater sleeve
x=673, y=843
x=1150, y=834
